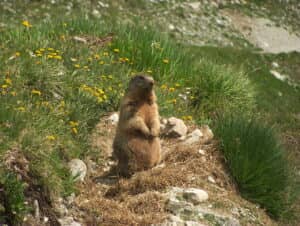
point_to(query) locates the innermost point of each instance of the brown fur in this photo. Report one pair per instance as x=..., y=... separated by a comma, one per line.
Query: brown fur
x=136, y=144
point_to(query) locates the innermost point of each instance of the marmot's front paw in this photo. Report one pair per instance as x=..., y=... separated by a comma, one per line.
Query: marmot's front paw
x=154, y=132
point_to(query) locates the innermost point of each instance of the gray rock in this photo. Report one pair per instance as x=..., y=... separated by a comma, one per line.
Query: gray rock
x=114, y=118
x=175, y=128
x=68, y=221
x=78, y=169
x=193, y=137
x=195, y=195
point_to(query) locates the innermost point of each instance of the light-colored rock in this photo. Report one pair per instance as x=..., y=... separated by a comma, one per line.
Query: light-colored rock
x=36, y=209
x=193, y=223
x=195, y=195
x=175, y=128
x=278, y=75
x=68, y=221
x=193, y=137
x=207, y=134
x=275, y=64
x=201, y=152
x=211, y=179
x=80, y=39
x=114, y=118
x=78, y=169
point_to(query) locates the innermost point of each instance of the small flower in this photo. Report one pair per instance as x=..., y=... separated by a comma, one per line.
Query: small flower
x=149, y=71
x=57, y=57
x=73, y=123
x=116, y=50
x=105, y=54
x=97, y=56
x=50, y=137
x=177, y=85
x=4, y=86
x=86, y=67
x=26, y=23
x=101, y=62
x=171, y=89
x=13, y=93
x=163, y=87
x=36, y=92
x=8, y=81
x=50, y=49
x=165, y=61
x=17, y=54
x=22, y=109
x=74, y=130
x=77, y=65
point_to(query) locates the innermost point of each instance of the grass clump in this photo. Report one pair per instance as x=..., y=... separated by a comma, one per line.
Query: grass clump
x=218, y=89
x=256, y=161
x=12, y=199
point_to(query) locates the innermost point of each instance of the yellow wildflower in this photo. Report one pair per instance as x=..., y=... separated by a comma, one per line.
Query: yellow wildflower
x=177, y=85
x=105, y=54
x=37, y=92
x=110, y=76
x=100, y=99
x=101, y=62
x=166, y=61
x=74, y=130
x=97, y=56
x=26, y=23
x=39, y=54
x=50, y=56
x=116, y=50
x=73, y=123
x=50, y=49
x=171, y=89
x=22, y=109
x=86, y=67
x=77, y=65
x=62, y=37
x=57, y=57
x=163, y=86
x=17, y=54
x=8, y=81
x=13, y=93
x=174, y=101
x=4, y=86
x=42, y=49
x=90, y=59
x=50, y=137
x=149, y=71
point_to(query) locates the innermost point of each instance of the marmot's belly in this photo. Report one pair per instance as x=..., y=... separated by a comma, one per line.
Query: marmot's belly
x=145, y=151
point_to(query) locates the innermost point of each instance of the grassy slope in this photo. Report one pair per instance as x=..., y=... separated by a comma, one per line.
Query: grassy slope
x=72, y=91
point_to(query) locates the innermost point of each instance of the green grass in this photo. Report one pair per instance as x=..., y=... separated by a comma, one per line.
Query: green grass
x=256, y=160
x=49, y=106
x=13, y=199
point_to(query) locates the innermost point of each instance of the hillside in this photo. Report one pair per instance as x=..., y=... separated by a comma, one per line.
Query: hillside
x=230, y=67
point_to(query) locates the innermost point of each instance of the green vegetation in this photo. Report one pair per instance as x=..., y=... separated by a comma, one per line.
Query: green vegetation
x=13, y=199
x=54, y=89
x=256, y=161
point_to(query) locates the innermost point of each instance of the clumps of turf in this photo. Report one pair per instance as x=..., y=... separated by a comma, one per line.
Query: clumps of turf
x=256, y=160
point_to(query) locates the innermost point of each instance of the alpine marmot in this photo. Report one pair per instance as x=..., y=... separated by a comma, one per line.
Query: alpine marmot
x=136, y=144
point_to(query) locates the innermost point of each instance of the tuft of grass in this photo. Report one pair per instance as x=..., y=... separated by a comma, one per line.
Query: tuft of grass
x=256, y=160
x=218, y=89
x=12, y=198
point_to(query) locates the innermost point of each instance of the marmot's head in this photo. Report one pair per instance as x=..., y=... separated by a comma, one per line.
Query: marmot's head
x=141, y=84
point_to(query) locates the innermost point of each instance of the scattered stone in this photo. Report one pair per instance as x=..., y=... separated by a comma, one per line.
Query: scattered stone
x=175, y=128
x=80, y=39
x=36, y=210
x=195, y=195
x=211, y=179
x=171, y=27
x=201, y=152
x=61, y=209
x=78, y=169
x=278, y=75
x=275, y=64
x=193, y=137
x=114, y=118
x=68, y=221
x=207, y=134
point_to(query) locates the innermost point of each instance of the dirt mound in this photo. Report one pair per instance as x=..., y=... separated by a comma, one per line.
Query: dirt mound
x=104, y=199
